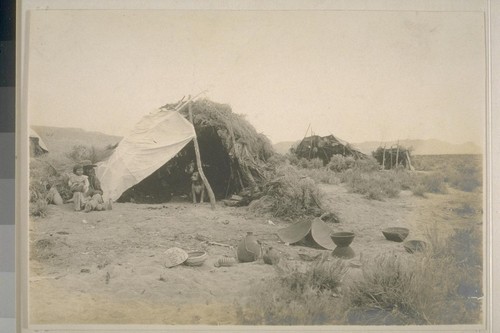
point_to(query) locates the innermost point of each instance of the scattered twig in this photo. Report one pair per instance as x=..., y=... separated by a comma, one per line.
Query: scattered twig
x=219, y=244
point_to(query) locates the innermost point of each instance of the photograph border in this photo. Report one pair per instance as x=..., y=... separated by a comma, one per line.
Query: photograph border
x=491, y=211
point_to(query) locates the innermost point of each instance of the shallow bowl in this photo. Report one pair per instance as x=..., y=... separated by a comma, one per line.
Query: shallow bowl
x=396, y=234
x=196, y=258
x=342, y=238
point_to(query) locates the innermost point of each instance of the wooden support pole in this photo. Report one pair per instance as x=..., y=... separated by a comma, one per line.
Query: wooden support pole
x=198, y=161
x=397, y=156
x=383, y=160
x=392, y=149
x=409, y=161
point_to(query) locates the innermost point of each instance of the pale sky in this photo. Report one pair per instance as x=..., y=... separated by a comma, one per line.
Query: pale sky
x=360, y=75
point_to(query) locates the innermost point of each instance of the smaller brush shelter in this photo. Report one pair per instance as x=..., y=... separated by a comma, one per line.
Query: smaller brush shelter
x=393, y=157
x=324, y=147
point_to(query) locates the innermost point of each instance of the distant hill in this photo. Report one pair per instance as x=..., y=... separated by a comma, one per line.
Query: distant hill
x=420, y=147
x=424, y=147
x=62, y=139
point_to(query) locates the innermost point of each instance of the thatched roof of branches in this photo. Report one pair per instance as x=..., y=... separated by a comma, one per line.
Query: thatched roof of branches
x=247, y=149
x=232, y=128
x=324, y=147
x=233, y=153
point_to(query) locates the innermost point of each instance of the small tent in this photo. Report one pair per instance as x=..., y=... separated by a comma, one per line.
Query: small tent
x=155, y=160
x=37, y=146
x=324, y=147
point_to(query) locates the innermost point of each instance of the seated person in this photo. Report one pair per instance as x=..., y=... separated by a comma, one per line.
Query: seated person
x=94, y=193
x=79, y=185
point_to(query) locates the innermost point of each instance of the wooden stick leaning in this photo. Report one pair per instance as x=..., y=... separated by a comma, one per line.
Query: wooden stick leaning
x=198, y=161
x=409, y=161
x=397, y=156
x=219, y=244
x=383, y=160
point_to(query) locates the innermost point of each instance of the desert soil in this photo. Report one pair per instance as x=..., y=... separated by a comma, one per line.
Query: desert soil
x=108, y=267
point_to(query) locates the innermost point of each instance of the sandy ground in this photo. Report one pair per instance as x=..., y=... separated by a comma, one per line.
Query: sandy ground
x=108, y=267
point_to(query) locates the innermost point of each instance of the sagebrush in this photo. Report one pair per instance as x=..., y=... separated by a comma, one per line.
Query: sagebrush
x=297, y=296
x=289, y=194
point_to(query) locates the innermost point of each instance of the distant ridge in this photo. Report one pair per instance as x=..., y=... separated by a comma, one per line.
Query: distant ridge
x=62, y=139
x=420, y=147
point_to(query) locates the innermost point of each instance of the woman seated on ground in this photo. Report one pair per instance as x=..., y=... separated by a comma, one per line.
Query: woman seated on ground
x=79, y=185
x=86, y=188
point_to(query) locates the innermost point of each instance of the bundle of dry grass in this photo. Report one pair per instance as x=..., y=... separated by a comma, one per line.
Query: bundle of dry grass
x=289, y=194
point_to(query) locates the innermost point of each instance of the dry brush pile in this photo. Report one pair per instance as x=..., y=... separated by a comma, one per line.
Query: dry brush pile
x=289, y=194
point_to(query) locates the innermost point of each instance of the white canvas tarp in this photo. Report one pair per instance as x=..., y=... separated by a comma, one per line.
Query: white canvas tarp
x=155, y=139
x=37, y=137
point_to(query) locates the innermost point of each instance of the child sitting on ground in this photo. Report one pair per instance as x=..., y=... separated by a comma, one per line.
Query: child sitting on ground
x=79, y=184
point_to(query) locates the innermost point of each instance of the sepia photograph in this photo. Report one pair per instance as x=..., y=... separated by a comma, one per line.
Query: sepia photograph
x=257, y=168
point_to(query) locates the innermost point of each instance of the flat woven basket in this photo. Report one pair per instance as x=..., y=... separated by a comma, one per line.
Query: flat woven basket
x=175, y=256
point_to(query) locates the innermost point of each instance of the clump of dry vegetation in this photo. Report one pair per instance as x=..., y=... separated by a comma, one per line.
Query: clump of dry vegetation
x=463, y=172
x=438, y=286
x=428, y=183
x=321, y=176
x=93, y=154
x=373, y=185
x=339, y=163
x=364, y=176
x=43, y=175
x=289, y=194
x=403, y=290
x=367, y=179
x=307, y=295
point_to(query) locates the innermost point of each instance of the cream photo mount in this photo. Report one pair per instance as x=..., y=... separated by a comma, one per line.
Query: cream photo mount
x=490, y=159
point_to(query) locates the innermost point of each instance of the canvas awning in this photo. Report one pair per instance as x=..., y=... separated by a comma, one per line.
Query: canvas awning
x=155, y=139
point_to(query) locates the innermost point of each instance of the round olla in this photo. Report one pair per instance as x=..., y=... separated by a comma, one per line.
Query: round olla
x=249, y=248
x=342, y=238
